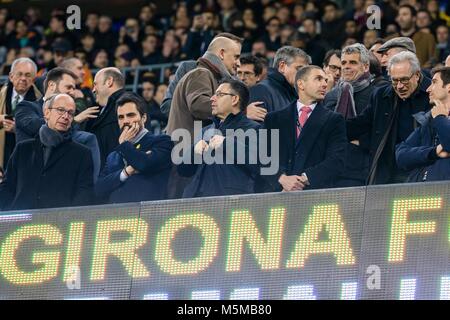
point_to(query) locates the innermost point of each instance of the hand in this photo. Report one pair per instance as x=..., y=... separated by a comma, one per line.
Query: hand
x=129, y=133
x=130, y=171
x=89, y=113
x=291, y=183
x=77, y=94
x=330, y=81
x=198, y=23
x=201, y=147
x=441, y=153
x=355, y=142
x=216, y=141
x=256, y=113
x=439, y=109
x=304, y=180
x=9, y=125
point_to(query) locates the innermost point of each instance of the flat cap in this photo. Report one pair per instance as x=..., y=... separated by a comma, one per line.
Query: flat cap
x=398, y=42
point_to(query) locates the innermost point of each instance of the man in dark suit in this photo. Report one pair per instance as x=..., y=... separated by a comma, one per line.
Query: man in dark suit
x=50, y=170
x=30, y=115
x=312, y=139
x=138, y=169
x=108, y=87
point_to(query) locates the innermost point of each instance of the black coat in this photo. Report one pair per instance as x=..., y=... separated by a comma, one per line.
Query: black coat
x=319, y=152
x=106, y=128
x=274, y=91
x=66, y=179
x=357, y=159
x=223, y=179
x=382, y=117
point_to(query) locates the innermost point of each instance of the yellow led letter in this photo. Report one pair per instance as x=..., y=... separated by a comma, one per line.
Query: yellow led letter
x=243, y=227
x=402, y=228
x=74, y=245
x=49, y=260
x=164, y=254
x=124, y=250
x=323, y=217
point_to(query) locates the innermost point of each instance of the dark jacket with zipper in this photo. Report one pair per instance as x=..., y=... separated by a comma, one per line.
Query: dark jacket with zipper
x=223, y=179
x=418, y=153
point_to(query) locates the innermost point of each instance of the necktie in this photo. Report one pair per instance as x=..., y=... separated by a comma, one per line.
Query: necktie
x=15, y=103
x=304, y=111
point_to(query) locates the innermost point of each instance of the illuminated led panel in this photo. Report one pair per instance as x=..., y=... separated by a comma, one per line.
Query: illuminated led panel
x=445, y=288
x=349, y=290
x=245, y=294
x=304, y=292
x=407, y=289
x=156, y=296
x=206, y=295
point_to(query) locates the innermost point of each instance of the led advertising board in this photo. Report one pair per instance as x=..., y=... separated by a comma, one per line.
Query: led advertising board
x=382, y=242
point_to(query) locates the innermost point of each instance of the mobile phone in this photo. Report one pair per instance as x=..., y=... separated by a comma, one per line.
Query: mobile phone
x=9, y=117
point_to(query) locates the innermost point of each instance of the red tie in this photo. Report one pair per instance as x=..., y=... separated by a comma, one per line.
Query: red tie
x=304, y=111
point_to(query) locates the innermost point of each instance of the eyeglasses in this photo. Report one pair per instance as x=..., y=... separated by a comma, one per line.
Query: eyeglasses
x=403, y=81
x=221, y=94
x=61, y=111
x=245, y=74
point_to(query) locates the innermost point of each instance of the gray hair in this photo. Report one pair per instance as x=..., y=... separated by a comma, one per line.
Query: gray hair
x=405, y=56
x=48, y=103
x=24, y=60
x=358, y=48
x=288, y=55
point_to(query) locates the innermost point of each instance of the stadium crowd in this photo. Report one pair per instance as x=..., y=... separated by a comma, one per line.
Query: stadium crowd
x=348, y=105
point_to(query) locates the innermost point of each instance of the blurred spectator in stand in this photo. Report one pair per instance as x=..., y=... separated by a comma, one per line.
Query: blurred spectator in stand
x=24, y=37
x=443, y=43
x=129, y=34
x=200, y=35
x=150, y=53
x=351, y=30
x=370, y=37
x=58, y=30
x=285, y=34
x=229, y=14
x=425, y=42
x=101, y=59
x=181, y=18
x=171, y=48
x=297, y=15
x=284, y=15
x=91, y=24
x=272, y=36
x=156, y=119
x=423, y=21
x=259, y=47
x=106, y=38
x=88, y=45
x=332, y=25
x=316, y=46
x=374, y=49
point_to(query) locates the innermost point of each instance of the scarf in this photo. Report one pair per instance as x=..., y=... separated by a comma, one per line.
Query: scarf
x=345, y=104
x=215, y=60
x=52, y=139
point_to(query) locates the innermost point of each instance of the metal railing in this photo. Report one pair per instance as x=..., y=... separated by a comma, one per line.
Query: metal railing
x=131, y=73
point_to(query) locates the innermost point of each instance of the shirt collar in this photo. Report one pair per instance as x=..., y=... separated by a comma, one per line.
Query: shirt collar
x=14, y=94
x=300, y=105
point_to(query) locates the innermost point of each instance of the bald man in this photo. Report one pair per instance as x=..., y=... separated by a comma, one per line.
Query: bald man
x=191, y=99
x=60, y=173
x=108, y=87
x=447, y=61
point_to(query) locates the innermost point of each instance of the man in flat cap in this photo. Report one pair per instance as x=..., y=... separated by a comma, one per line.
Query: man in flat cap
x=394, y=46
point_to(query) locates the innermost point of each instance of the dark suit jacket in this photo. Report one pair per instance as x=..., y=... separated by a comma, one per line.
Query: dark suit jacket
x=106, y=128
x=319, y=152
x=66, y=179
x=154, y=168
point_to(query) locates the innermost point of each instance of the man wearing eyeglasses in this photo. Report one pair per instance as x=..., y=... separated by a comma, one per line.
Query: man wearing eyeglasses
x=50, y=170
x=426, y=152
x=388, y=120
x=20, y=87
x=229, y=177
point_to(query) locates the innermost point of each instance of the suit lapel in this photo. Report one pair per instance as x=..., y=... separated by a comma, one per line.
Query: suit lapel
x=56, y=155
x=311, y=130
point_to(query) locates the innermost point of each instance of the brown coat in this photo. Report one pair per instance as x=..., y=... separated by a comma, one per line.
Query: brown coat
x=425, y=48
x=191, y=99
x=3, y=93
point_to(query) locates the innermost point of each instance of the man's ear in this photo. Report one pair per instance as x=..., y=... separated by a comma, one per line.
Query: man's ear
x=109, y=82
x=235, y=100
x=222, y=54
x=366, y=67
x=282, y=67
x=46, y=114
x=144, y=118
x=10, y=76
x=300, y=85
